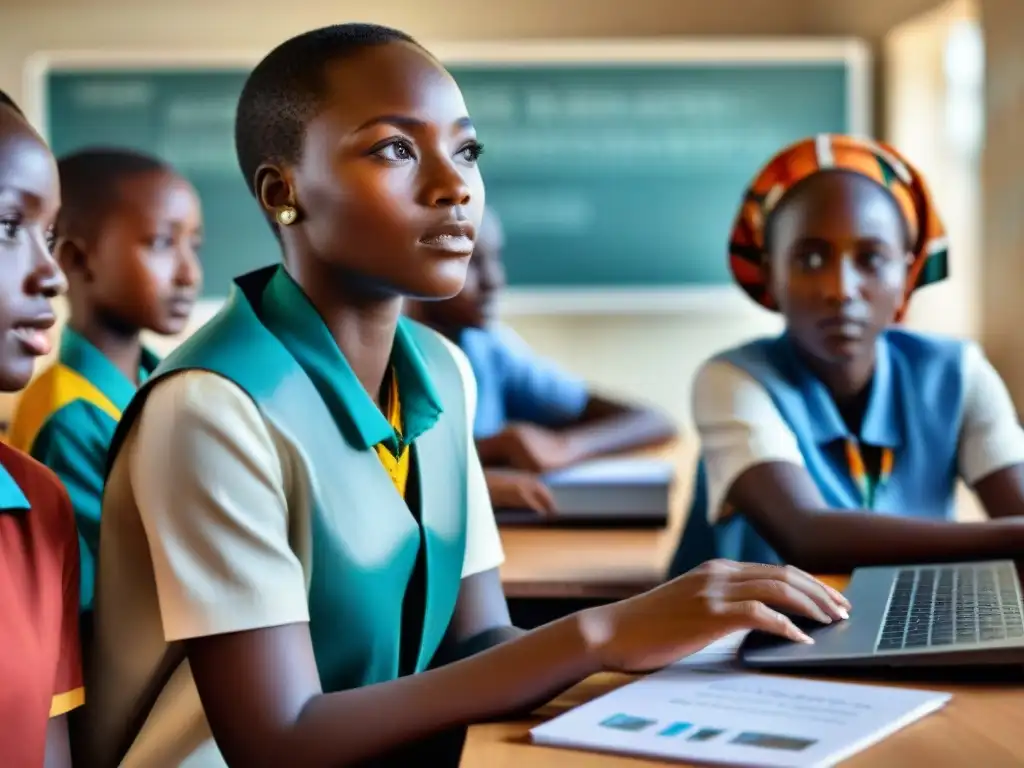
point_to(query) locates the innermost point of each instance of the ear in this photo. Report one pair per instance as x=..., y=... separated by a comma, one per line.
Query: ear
x=274, y=188
x=73, y=257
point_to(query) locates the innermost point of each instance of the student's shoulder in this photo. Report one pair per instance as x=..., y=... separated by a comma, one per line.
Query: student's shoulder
x=60, y=402
x=732, y=366
x=44, y=491
x=495, y=345
x=80, y=420
x=191, y=393
x=923, y=342
x=426, y=335
x=920, y=349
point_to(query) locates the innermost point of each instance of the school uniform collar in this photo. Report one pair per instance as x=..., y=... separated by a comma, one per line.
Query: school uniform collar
x=12, y=498
x=884, y=418
x=81, y=356
x=288, y=313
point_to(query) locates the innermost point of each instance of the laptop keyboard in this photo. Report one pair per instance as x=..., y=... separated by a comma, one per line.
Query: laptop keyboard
x=955, y=605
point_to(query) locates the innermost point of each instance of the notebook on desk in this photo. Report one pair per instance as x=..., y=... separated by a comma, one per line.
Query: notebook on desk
x=609, y=492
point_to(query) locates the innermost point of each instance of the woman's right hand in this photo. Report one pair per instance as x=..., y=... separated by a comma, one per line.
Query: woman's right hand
x=657, y=628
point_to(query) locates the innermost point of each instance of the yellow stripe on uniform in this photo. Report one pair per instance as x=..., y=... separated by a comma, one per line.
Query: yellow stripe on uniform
x=398, y=468
x=63, y=703
x=48, y=393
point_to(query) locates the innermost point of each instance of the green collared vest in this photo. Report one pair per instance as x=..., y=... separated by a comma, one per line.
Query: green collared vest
x=364, y=541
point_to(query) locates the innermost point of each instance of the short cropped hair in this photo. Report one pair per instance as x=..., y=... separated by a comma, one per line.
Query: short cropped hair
x=7, y=101
x=283, y=93
x=90, y=182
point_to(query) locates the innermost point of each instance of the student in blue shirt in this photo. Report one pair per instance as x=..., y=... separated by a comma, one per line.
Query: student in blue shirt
x=128, y=236
x=532, y=416
x=840, y=443
x=295, y=527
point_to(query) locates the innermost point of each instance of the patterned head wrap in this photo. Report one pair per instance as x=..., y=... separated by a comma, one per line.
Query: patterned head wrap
x=875, y=160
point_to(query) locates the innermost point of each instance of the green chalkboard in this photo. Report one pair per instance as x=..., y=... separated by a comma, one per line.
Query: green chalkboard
x=620, y=175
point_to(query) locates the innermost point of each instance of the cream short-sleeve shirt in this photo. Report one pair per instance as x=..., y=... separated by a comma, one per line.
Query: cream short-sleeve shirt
x=202, y=532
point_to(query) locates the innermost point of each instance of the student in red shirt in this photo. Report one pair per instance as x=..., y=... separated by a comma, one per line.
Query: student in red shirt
x=40, y=659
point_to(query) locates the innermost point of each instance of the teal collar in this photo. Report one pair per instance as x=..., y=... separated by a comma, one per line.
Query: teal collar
x=288, y=313
x=12, y=498
x=81, y=356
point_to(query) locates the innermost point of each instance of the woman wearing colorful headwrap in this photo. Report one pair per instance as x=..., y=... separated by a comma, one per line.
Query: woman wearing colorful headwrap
x=839, y=443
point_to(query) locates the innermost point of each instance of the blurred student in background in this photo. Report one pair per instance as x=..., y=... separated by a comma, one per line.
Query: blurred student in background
x=127, y=237
x=532, y=416
x=40, y=667
x=839, y=443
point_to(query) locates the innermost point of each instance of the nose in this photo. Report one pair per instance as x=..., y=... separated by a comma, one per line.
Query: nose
x=46, y=278
x=444, y=185
x=845, y=280
x=189, y=273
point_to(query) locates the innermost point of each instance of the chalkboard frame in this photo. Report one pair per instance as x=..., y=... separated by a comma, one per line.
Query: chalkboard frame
x=853, y=53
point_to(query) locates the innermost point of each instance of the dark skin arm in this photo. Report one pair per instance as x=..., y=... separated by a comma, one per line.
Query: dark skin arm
x=481, y=619
x=58, y=747
x=605, y=427
x=280, y=716
x=783, y=504
x=1002, y=492
x=261, y=691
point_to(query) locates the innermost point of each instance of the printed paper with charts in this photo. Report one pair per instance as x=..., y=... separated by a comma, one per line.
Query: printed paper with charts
x=712, y=715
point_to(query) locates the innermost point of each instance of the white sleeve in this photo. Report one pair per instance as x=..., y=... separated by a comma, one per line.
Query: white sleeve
x=209, y=489
x=739, y=428
x=991, y=437
x=483, y=541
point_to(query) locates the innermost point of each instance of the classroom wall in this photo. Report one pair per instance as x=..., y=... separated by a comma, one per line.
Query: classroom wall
x=651, y=357
x=1002, y=191
x=928, y=115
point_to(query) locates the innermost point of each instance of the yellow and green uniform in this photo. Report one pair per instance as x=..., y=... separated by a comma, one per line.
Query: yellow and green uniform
x=66, y=419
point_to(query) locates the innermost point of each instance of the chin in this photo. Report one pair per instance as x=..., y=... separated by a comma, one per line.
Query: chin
x=15, y=375
x=842, y=350
x=438, y=284
x=174, y=328
x=170, y=326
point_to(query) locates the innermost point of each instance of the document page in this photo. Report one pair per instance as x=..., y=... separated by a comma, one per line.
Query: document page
x=708, y=714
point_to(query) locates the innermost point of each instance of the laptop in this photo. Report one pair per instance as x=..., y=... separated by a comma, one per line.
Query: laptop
x=960, y=614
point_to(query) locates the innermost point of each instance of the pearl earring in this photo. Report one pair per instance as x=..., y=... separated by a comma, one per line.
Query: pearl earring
x=287, y=215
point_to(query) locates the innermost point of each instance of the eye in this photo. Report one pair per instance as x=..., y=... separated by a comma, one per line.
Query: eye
x=471, y=152
x=874, y=258
x=51, y=239
x=395, y=151
x=161, y=242
x=812, y=260
x=10, y=229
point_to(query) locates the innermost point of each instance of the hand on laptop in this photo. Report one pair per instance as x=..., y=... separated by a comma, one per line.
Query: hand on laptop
x=529, y=448
x=654, y=629
x=515, y=489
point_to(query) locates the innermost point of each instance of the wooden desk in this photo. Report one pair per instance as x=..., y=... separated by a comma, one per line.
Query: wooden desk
x=612, y=564
x=583, y=563
x=982, y=725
